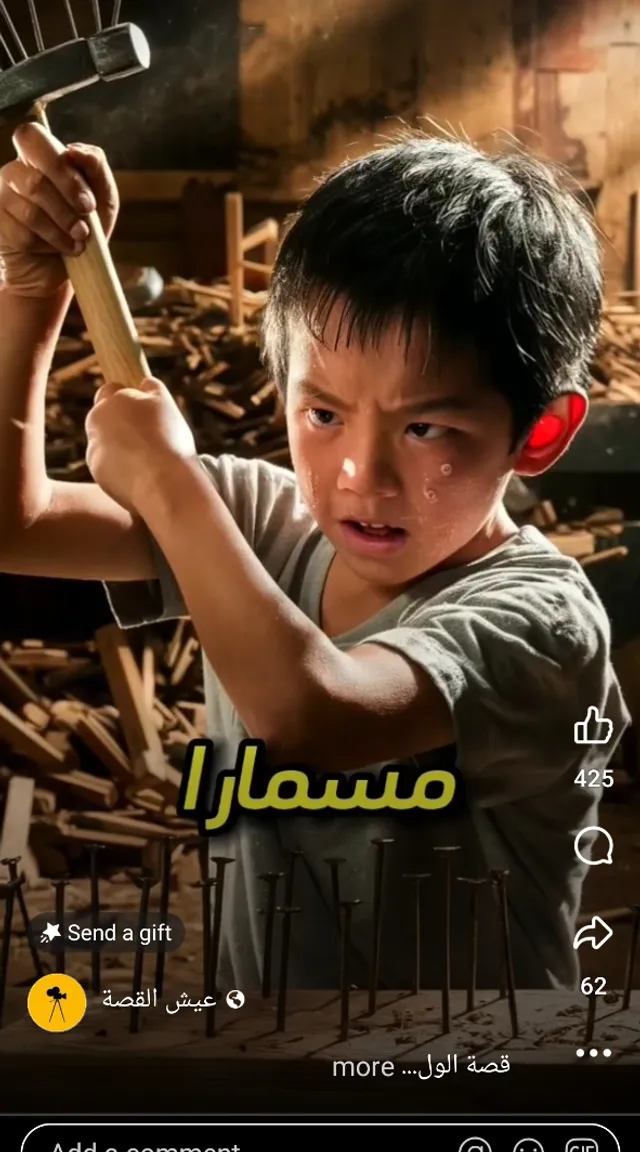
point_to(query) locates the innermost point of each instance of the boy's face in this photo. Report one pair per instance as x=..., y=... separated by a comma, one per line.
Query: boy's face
x=415, y=442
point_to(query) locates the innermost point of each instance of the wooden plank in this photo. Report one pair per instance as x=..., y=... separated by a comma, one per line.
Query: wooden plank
x=16, y=822
x=98, y=836
x=575, y=544
x=127, y=689
x=604, y=555
x=168, y=787
x=36, y=715
x=14, y=688
x=149, y=674
x=95, y=736
x=604, y=517
x=89, y=729
x=131, y=826
x=184, y=661
x=91, y=788
x=19, y=736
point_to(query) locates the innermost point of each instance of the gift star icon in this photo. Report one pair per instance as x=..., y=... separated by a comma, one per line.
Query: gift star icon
x=50, y=932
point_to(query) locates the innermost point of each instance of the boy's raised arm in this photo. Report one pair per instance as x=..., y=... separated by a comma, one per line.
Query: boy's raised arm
x=47, y=527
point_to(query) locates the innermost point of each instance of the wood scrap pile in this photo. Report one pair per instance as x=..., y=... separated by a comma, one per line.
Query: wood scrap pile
x=90, y=752
x=213, y=371
x=593, y=540
x=616, y=369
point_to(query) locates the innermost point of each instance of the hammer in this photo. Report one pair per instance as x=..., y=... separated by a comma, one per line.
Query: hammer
x=25, y=91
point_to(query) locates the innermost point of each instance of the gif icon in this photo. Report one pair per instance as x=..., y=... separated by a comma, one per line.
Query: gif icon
x=584, y=1145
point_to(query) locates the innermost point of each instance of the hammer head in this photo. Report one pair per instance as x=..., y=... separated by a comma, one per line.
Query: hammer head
x=109, y=55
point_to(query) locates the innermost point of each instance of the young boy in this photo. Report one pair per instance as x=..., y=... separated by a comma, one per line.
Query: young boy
x=430, y=322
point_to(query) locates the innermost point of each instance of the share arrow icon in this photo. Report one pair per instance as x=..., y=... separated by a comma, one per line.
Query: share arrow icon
x=596, y=934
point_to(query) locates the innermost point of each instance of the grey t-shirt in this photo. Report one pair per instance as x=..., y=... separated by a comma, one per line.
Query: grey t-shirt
x=518, y=642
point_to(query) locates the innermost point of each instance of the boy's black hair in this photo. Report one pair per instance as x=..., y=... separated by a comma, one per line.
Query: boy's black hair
x=490, y=251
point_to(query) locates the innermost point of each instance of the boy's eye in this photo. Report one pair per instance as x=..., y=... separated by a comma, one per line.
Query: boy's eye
x=321, y=416
x=428, y=431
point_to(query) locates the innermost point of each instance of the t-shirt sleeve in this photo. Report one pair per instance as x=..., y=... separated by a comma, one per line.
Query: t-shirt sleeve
x=519, y=665
x=262, y=498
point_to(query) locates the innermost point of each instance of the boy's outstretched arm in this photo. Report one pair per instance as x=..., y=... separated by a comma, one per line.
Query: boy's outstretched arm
x=50, y=527
x=291, y=686
x=47, y=527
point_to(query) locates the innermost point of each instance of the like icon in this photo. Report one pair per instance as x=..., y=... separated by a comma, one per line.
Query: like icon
x=601, y=729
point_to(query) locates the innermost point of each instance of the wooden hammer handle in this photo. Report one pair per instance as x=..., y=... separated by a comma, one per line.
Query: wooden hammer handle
x=103, y=303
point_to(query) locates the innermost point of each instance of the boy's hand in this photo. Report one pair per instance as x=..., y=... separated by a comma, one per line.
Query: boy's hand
x=135, y=437
x=42, y=211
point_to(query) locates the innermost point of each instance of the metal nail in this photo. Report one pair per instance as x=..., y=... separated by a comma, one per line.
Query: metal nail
x=335, y=863
x=346, y=907
x=474, y=887
x=499, y=879
x=59, y=887
x=285, y=947
x=145, y=883
x=292, y=856
x=502, y=970
x=446, y=935
x=204, y=848
x=417, y=878
x=93, y=850
x=12, y=864
x=206, y=887
x=8, y=891
x=168, y=844
x=380, y=844
x=631, y=957
x=221, y=863
x=205, y=884
x=271, y=880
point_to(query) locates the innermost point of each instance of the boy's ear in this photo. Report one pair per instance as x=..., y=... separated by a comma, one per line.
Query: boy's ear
x=552, y=434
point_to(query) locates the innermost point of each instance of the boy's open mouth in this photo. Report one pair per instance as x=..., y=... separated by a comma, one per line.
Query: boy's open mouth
x=382, y=531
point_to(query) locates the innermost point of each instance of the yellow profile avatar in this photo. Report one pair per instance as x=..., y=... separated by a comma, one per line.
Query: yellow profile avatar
x=57, y=1003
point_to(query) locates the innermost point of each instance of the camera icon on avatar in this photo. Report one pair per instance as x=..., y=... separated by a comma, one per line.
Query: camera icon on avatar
x=57, y=996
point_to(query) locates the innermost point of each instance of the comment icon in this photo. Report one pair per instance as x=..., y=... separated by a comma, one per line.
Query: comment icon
x=584, y=846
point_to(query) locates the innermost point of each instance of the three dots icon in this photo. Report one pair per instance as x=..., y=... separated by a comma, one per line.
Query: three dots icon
x=593, y=1052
